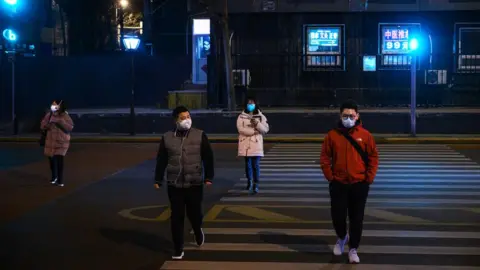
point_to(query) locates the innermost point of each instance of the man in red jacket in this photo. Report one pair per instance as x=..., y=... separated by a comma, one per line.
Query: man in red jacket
x=349, y=161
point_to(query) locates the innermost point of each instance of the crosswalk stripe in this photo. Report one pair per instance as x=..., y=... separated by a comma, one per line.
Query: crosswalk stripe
x=323, y=232
x=406, y=174
x=410, y=170
x=263, y=247
x=317, y=166
x=213, y=265
x=311, y=162
x=402, y=158
x=386, y=179
x=410, y=177
x=408, y=186
x=373, y=192
x=370, y=200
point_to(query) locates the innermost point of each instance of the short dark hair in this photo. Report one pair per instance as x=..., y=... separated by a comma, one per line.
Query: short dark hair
x=178, y=110
x=62, y=107
x=349, y=104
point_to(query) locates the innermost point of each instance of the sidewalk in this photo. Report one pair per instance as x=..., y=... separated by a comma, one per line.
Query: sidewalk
x=271, y=138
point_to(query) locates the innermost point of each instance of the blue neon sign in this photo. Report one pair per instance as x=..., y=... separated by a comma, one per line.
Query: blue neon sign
x=323, y=39
x=398, y=39
x=10, y=35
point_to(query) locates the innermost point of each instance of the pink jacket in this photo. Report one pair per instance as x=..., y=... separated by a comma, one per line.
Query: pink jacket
x=250, y=139
x=57, y=141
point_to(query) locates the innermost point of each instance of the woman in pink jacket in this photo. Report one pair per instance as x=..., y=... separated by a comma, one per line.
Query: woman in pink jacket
x=251, y=126
x=58, y=125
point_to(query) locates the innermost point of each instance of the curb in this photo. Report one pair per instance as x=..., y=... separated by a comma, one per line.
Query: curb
x=379, y=140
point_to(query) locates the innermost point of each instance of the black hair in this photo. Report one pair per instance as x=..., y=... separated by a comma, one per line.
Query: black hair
x=62, y=108
x=349, y=104
x=252, y=98
x=178, y=110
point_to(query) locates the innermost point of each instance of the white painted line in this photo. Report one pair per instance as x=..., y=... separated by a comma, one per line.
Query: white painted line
x=425, y=250
x=453, y=181
x=376, y=185
x=380, y=170
x=390, y=154
x=373, y=192
x=433, y=166
x=324, y=232
x=311, y=162
x=223, y=265
x=453, y=176
x=370, y=200
x=402, y=151
x=403, y=158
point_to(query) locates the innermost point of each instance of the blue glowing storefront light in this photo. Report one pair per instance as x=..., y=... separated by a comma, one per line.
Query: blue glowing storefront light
x=399, y=39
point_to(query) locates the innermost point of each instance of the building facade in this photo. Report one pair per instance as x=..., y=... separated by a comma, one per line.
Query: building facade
x=318, y=52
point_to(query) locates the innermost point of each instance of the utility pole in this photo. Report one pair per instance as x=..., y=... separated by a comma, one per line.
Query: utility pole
x=147, y=19
x=228, y=59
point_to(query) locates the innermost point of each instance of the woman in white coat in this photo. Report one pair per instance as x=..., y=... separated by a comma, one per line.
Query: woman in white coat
x=251, y=126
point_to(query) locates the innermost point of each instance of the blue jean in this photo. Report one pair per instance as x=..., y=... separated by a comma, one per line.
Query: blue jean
x=252, y=169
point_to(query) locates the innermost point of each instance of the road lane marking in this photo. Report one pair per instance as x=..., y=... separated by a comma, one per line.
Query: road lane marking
x=394, y=217
x=390, y=179
x=373, y=192
x=325, y=232
x=366, y=249
x=316, y=167
x=380, y=170
x=261, y=214
x=451, y=176
x=408, y=186
x=129, y=213
x=370, y=200
x=215, y=265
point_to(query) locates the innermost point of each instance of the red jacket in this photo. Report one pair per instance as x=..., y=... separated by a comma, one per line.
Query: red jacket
x=341, y=162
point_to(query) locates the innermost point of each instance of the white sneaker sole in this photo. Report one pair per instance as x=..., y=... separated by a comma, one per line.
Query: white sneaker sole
x=178, y=257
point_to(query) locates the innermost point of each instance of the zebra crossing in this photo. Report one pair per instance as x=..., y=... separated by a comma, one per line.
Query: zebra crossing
x=423, y=212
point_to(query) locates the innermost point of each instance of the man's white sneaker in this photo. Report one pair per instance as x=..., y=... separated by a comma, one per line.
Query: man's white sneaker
x=353, y=256
x=339, y=246
x=178, y=255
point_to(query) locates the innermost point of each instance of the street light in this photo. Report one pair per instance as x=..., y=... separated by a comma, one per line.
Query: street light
x=11, y=36
x=10, y=2
x=123, y=3
x=413, y=46
x=131, y=43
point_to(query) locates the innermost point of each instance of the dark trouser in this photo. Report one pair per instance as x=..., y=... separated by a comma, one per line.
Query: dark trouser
x=56, y=167
x=181, y=199
x=252, y=169
x=348, y=199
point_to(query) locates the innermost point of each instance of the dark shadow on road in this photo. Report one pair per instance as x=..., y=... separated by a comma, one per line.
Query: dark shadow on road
x=281, y=239
x=142, y=239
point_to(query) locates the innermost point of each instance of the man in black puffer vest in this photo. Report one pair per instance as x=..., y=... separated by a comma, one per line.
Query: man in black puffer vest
x=187, y=158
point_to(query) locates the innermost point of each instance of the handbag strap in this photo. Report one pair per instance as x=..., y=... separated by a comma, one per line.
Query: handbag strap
x=357, y=147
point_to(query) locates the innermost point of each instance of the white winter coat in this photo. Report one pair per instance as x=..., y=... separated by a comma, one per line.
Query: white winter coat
x=250, y=139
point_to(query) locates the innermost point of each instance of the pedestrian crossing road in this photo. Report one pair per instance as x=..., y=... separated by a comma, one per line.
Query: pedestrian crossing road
x=423, y=212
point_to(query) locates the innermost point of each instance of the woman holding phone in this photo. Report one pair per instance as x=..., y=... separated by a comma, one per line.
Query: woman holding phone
x=57, y=126
x=251, y=126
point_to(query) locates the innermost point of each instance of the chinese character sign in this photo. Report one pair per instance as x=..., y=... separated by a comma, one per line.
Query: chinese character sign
x=395, y=40
x=323, y=39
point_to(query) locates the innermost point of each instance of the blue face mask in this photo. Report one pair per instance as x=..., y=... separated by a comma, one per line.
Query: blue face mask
x=250, y=107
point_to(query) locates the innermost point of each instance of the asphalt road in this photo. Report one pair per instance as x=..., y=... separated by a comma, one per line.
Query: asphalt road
x=423, y=210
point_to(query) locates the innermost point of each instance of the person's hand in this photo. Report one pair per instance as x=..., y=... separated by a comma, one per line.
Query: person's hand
x=156, y=186
x=254, y=122
x=208, y=182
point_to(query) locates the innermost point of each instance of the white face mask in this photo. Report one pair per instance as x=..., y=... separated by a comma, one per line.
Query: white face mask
x=184, y=124
x=54, y=108
x=348, y=123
